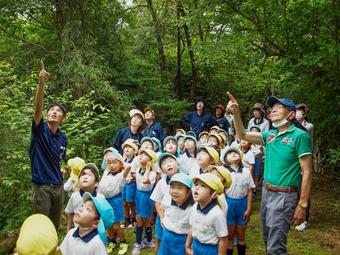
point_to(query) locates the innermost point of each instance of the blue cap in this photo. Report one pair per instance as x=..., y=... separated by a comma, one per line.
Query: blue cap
x=286, y=102
x=146, y=138
x=157, y=142
x=165, y=155
x=182, y=178
x=168, y=138
x=105, y=214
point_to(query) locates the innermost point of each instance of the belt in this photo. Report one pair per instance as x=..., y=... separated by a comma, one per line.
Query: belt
x=279, y=189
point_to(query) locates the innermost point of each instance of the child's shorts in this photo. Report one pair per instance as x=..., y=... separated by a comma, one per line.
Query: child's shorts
x=204, y=249
x=172, y=243
x=130, y=192
x=159, y=228
x=257, y=166
x=118, y=209
x=236, y=210
x=144, y=205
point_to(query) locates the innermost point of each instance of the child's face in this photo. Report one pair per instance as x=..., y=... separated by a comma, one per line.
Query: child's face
x=171, y=147
x=215, y=172
x=202, y=192
x=144, y=159
x=86, y=215
x=213, y=141
x=181, y=142
x=233, y=158
x=114, y=165
x=254, y=130
x=179, y=192
x=244, y=144
x=147, y=145
x=189, y=144
x=204, y=138
x=213, y=131
x=128, y=152
x=203, y=158
x=169, y=166
x=136, y=120
x=87, y=180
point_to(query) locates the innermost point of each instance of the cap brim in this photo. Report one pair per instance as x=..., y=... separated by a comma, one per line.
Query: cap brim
x=273, y=100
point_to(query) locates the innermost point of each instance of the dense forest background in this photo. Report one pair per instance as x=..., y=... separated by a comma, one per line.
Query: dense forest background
x=105, y=57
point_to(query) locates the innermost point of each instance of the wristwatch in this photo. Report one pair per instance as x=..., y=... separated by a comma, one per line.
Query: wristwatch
x=303, y=204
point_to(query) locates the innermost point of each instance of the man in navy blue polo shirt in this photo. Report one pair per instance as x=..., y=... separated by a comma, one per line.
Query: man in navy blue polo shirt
x=47, y=149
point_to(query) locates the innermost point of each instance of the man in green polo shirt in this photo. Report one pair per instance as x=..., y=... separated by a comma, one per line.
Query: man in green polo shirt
x=287, y=166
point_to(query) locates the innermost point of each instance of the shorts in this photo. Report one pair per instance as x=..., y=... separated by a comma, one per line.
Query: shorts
x=172, y=243
x=144, y=205
x=118, y=208
x=236, y=210
x=257, y=166
x=203, y=248
x=130, y=192
x=158, y=228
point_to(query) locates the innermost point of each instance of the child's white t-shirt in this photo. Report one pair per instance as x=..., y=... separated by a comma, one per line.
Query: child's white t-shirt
x=76, y=201
x=111, y=185
x=176, y=218
x=241, y=183
x=145, y=186
x=161, y=193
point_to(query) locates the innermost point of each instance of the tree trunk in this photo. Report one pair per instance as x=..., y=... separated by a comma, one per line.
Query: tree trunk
x=162, y=61
x=179, y=55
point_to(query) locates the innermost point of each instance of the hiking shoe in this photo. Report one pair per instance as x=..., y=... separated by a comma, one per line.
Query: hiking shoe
x=302, y=226
x=137, y=248
x=111, y=247
x=150, y=244
x=123, y=248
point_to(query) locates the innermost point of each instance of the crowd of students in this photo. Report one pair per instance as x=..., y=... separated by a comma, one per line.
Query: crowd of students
x=200, y=182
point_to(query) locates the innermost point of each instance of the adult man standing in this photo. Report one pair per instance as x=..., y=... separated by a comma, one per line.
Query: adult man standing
x=47, y=149
x=153, y=129
x=288, y=153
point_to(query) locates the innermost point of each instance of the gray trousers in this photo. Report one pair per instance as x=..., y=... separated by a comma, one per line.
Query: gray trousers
x=48, y=200
x=277, y=209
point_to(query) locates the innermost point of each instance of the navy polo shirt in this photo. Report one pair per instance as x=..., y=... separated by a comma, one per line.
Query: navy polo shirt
x=123, y=135
x=154, y=130
x=198, y=122
x=223, y=123
x=46, y=151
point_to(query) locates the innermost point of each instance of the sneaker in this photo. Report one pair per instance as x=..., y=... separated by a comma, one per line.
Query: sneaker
x=150, y=244
x=137, y=248
x=111, y=247
x=123, y=248
x=302, y=226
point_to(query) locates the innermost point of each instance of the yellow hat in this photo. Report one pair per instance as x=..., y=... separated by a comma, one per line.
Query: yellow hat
x=76, y=164
x=151, y=154
x=212, y=152
x=203, y=133
x=218, y=137
x=224, y=173
x=212, y=181
x=215, y=127
x=132, y=143
x=37, y=236
x=182, y=131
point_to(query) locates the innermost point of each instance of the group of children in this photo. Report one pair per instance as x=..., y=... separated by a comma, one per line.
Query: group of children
x=201, y=189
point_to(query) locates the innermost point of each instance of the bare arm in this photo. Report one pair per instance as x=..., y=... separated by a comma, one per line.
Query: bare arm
x=146, y=179
x=306, y=166
x=247, y=213
x=222, y=245
x=188, y=243
x=253, y=137
x=126, y=170
x=69, y=221
x=39, y=96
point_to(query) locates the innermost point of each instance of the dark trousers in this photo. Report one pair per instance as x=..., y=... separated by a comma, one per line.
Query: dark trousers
x=48, y=200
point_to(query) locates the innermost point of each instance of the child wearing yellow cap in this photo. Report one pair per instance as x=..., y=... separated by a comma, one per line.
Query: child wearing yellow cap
x=88, y=181
x=111, y=185
x=74, y=166
x=239, y=199
x=208, y=228
x=206, y=156
x=145, y=181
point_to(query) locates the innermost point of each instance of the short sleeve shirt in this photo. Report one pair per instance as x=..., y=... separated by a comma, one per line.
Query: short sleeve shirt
x=111, y=185
x=241, y=182
x=161, y=193
x=282, y=165
x=46, y=151
x=145, y=186
x=176, y=218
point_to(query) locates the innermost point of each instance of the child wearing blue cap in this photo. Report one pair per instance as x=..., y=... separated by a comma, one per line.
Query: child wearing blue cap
x=175, y=216
x=160, y=195
x=94, y=216
x=188, y=159
x=111, y=186
x=145, y=181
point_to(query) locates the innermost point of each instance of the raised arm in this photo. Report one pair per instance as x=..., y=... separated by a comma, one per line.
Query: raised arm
x=39, y=96
x=253, y=137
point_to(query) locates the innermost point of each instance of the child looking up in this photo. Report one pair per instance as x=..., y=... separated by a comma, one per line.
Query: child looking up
x=239, y=199
x=111, y=186
x=206, y=156
x=75, y=165
x=188, y=158
x=93, y=217
x=88, y=181
x=169, y=166
x=145, y=181
x=175, y=219
x=208, y=228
